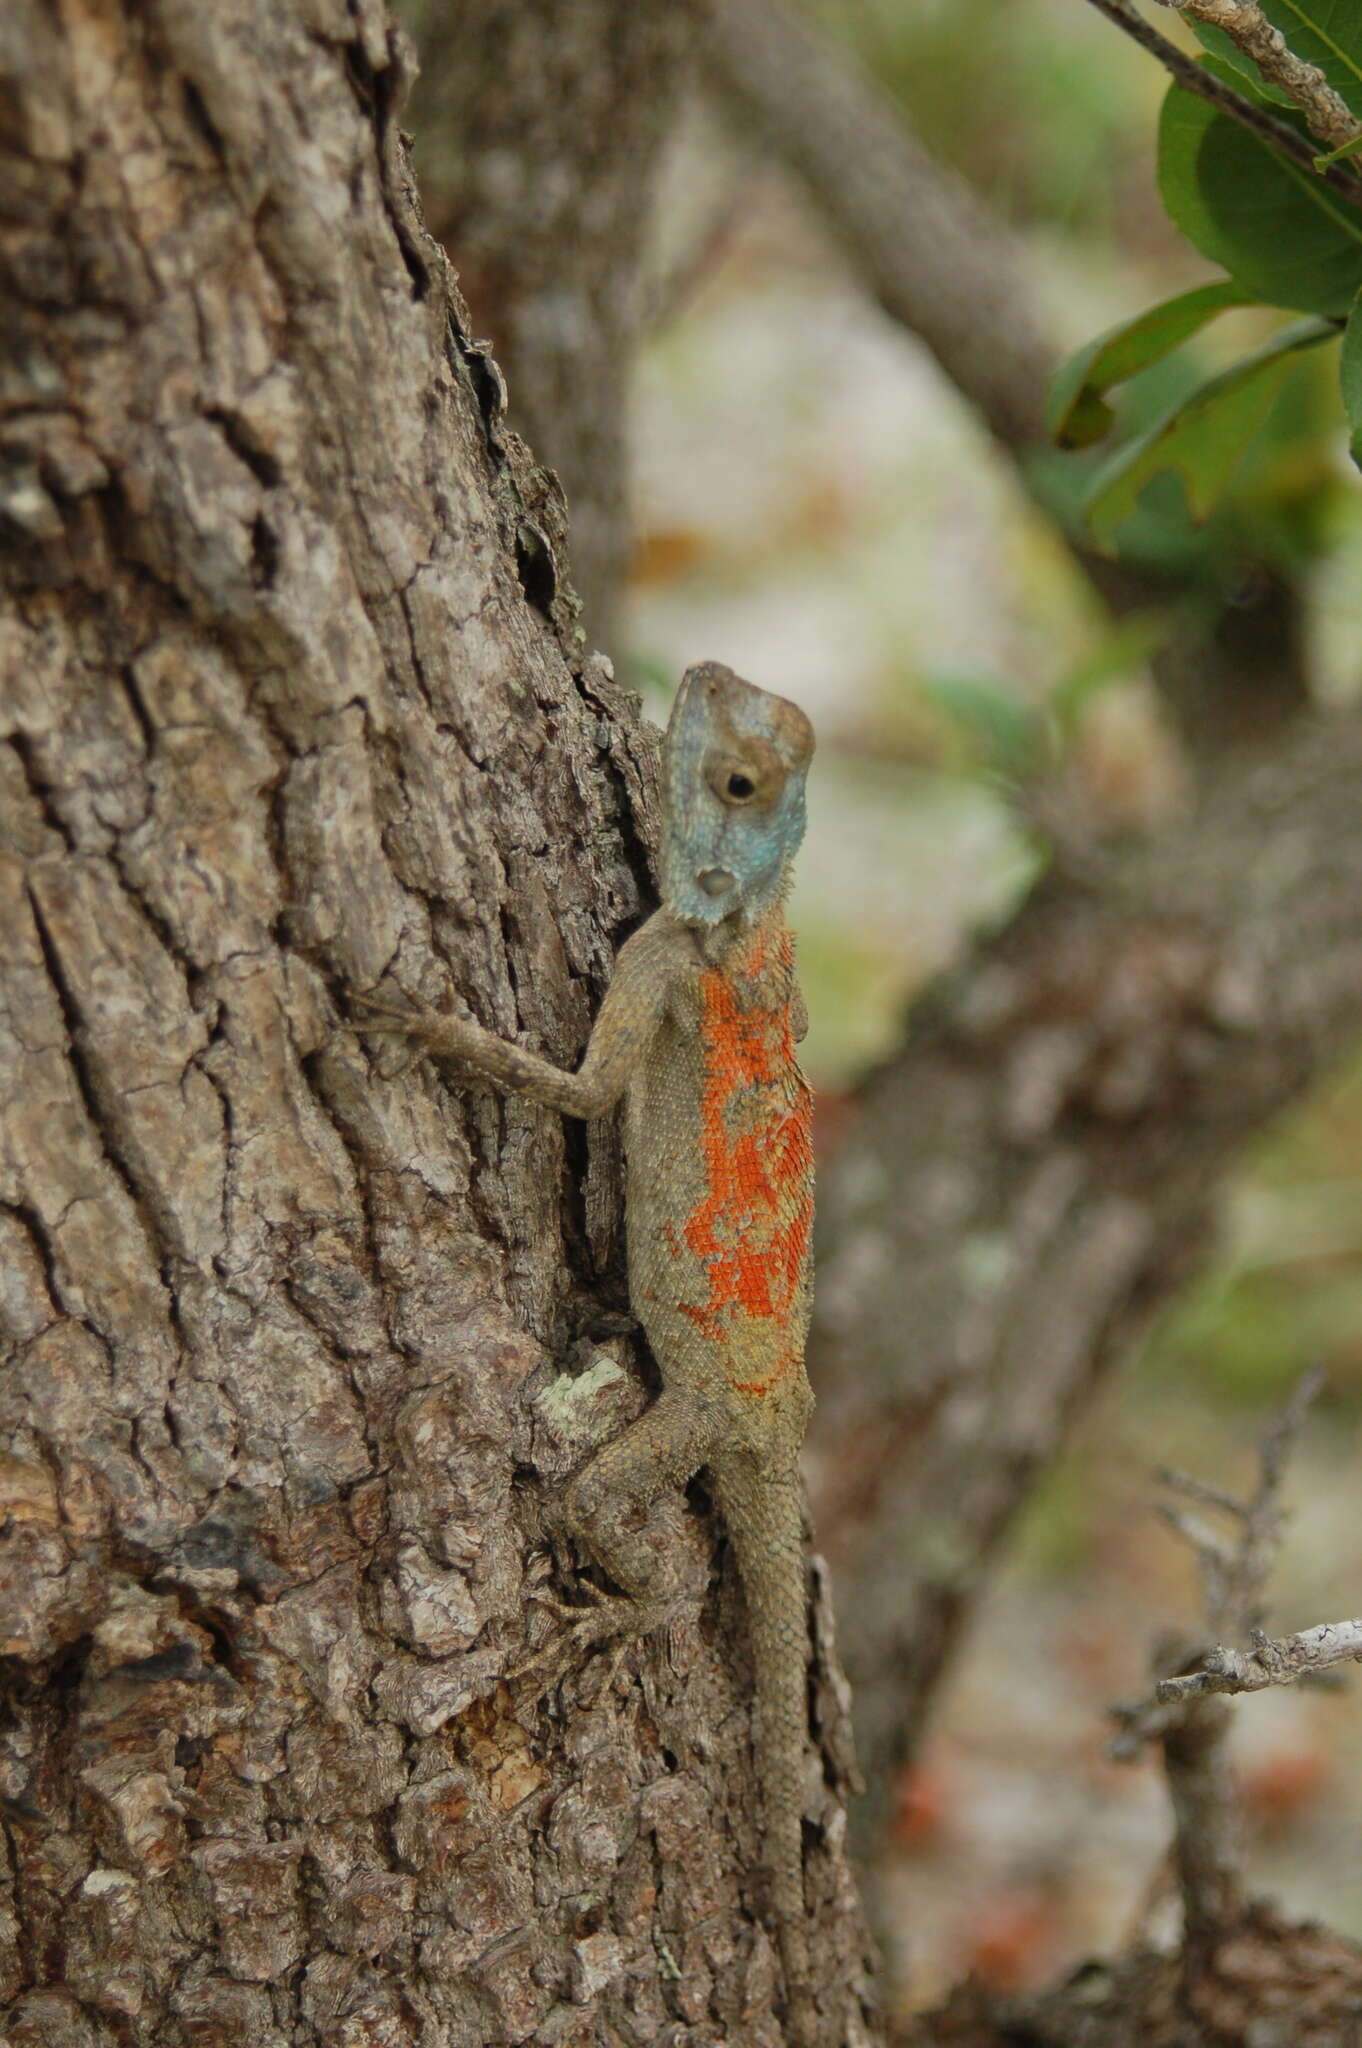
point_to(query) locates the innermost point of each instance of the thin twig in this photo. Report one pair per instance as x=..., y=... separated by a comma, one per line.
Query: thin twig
x=1146, y=1719
x=1282, y=1431
x=1213, y=1551
x=1199, y=1490
x=1195, y=78
x=1242, y=1607
x=1278, y=1662
x=1215, y=1557
x=1248, y=28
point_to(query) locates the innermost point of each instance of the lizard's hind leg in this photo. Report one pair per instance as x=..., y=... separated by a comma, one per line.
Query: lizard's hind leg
x=663, y=1449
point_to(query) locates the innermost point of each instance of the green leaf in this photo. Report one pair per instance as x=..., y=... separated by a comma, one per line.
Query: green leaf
x=1279, y=232
x=1336, y=156
x=1078, y=414
x=1203, y=437
x=1350, y=377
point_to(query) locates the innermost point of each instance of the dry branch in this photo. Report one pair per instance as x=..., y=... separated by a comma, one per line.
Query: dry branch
x=1234, y=1569
x=1233, y=1575
x=1181, y=1712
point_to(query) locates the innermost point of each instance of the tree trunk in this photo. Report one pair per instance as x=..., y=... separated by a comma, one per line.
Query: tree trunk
x=295, y=1341
x=540, y=124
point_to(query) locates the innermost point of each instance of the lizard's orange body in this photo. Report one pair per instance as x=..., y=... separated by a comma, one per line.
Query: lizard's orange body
x=751, y=1230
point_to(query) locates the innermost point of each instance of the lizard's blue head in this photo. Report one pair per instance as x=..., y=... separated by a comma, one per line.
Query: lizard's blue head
x=735, y=762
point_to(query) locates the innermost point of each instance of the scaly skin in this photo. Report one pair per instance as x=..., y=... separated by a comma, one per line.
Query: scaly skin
x=698, y=1032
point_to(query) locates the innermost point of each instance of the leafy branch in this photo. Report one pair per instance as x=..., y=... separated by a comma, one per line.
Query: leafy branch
x=1241, y=177
x=1249, y=32
x=1209, y=86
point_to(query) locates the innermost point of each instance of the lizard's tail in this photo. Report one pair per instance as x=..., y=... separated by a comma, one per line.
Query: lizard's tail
x=768, y=1536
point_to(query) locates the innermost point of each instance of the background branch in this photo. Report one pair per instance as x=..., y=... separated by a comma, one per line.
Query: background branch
x=540, y=129
x=1190, y=1725
x=930, y=251
x=1033, y=1176
x=1234, y=1573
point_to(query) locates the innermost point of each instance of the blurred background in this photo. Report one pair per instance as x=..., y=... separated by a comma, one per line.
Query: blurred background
x=815, y=504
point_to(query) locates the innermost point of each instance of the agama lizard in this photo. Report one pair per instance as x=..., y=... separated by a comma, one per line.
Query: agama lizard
x=698, y=1032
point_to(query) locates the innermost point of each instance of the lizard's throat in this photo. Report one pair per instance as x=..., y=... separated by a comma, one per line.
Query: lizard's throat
x=717, y=898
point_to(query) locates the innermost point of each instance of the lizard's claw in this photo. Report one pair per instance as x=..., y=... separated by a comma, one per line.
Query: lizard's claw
x=541, y=1565
x=553, y=1660
x=573, y=1611
x=429, y=1030
x=380, y=1019
x=379, y=1015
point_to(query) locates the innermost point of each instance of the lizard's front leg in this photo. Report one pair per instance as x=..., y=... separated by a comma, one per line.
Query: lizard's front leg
x=629, y=1017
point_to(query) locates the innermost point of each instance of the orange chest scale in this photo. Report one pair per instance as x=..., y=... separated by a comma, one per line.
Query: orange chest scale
x=750, y=1229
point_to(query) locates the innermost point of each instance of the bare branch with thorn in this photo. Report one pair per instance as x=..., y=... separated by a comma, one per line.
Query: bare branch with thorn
x=1181, y=1712
x=1234, y=1570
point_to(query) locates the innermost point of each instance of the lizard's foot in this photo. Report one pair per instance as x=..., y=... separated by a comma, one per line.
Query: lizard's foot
x=607, y=1615
x=379, y=1014
x=597, y=1602
x=438, y=1031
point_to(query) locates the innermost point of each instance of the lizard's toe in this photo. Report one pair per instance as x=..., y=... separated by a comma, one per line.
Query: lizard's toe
x=380, y=1015
x=609, y=1614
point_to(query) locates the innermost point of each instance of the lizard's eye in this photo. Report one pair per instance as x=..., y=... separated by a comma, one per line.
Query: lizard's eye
x=747, y=774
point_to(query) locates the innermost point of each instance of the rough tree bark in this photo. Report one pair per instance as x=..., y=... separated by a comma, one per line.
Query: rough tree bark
x=294, y=1341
